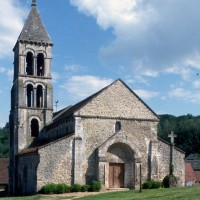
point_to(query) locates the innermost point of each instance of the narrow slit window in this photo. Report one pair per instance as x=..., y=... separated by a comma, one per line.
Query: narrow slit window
x=40, y=64
x=117, y=126
x=39, y=97
x=30, y=96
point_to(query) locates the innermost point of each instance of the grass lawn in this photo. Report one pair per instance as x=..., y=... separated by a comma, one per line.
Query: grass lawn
x=184, y=193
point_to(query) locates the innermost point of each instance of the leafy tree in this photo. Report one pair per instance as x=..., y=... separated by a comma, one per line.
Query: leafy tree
x=4, y=141
x=187, y=129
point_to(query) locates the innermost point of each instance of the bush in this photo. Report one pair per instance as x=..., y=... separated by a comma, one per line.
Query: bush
x=76, y=187
x=84, y=188
x=49, y=189
x=146, y=185
x=61, y=188
x=151, y=185
x=55, y=188
x=95, y=186
x=155, y=184
x=169, y=181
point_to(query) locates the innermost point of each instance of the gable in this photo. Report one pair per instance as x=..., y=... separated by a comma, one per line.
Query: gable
x=117, y=101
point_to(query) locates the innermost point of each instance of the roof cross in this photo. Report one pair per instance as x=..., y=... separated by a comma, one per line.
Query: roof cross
x=33, y=3
x=172, y=136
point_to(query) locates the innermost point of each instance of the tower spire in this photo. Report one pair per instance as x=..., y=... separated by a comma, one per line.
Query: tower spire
x=33, y=3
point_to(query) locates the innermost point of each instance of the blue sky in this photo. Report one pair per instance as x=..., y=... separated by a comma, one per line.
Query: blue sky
x=153, y=46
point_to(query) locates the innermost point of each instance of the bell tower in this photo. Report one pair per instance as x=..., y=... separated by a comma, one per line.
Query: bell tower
x=32, y=92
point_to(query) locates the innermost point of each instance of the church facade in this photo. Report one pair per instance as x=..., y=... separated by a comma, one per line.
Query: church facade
x=105, y=137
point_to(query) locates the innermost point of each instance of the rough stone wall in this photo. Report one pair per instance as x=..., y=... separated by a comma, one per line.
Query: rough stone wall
x=95, y=132
x=117, y=101
x=56, y=161
x=164, y=160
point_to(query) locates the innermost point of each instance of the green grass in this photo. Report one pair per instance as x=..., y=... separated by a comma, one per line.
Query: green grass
x=184, y=193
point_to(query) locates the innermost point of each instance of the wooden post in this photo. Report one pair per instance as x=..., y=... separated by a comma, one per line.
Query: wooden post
x=140, y=178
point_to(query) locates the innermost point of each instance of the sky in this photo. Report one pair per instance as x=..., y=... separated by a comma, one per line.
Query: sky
x=153, y=46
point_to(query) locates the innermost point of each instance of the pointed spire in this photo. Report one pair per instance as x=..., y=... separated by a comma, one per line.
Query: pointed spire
x=33, y=3
x=34, y=29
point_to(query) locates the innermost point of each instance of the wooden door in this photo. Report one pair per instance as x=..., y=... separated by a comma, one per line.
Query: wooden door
x=116, y=175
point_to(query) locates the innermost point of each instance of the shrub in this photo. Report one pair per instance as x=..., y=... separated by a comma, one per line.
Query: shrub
x=95, y=186
x=49, y=189
x=146, y=185
x=61, y=188
x=155, y=184
x=169, y=181
x=84, y=188
x=76, y=187
x=151, y=185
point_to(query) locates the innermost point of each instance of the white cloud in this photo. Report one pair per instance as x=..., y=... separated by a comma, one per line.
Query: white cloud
x=2, y=70
x=10, y=73
x=146, y=94
x=55, y=76
x=150, y=36
x=79, y=87
x=185, y=95
x=11, y=23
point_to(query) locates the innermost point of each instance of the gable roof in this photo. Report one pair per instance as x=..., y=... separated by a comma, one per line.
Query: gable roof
x=4, y=171
x=71, y=110
x=34, y=29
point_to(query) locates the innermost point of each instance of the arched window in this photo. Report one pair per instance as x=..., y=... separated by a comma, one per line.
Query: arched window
x=29, y=63
x=30, y=96
x=39, y=96
x=117, y=126
x=40, y=64
x=34, y=128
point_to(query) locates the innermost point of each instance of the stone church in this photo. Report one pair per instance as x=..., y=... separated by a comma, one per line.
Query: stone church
x=105, y=137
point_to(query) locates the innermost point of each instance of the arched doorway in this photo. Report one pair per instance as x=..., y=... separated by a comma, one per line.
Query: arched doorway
x=120, y=160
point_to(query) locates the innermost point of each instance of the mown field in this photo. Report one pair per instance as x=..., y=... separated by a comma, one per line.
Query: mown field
x=185, y=193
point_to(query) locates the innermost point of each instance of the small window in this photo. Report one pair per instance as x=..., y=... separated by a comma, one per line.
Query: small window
x=34, y=128
x=30, y=96
x=117, y=126
x=29, y=63
x=40, y=64
x=39, y=96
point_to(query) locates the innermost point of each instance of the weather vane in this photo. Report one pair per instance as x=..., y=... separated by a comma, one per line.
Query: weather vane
x=56, y=105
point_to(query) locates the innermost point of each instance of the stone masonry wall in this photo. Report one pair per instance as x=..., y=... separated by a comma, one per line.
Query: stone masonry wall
x=118, y=101
x=94, y=132
x=56, y=160
x=164, y=159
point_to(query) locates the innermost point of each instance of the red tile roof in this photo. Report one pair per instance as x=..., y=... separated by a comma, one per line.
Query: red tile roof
x=189, y=173
x=4, y=163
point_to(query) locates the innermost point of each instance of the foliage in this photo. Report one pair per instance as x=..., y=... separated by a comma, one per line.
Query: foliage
x=76, y=187
x=4, y=147
x=84, y=188
x=95, y=186
x=52, y=188
x=186, y=126
x=146, y=185
x=151, y=185
x=169, y=181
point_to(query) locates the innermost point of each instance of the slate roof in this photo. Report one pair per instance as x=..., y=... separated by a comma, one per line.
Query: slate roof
x=194, y=160
x=34, y=29
x=4, y=171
